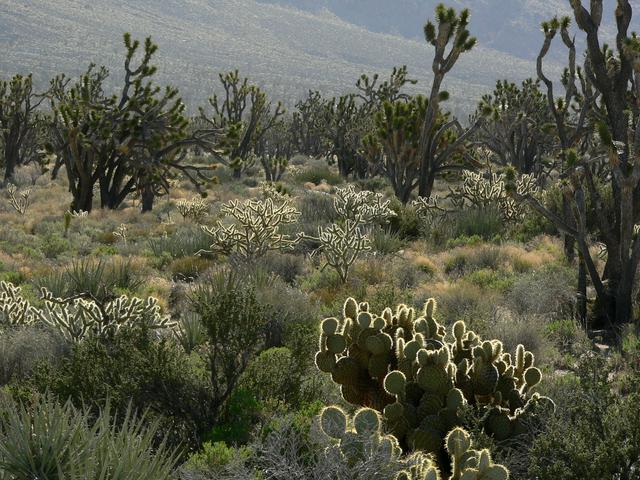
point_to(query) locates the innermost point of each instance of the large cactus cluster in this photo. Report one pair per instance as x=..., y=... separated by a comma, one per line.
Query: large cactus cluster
x=419, y=377
x=255, y=229
x=361, y=437
x=77, y=318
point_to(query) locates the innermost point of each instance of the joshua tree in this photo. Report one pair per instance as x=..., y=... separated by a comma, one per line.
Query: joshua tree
x=18, y=105
x=245, y=114
x=275, y=149
x=126, y=143
x=516, y=130
x=345, y=128
x=80, y=132
x=610, y=99
x=394, y=146
x=308, y=124
x=435, y=157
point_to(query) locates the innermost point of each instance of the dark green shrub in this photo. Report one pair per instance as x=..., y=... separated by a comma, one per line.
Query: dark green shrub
x=135, y=369
x=21, y=349
x=406, y=222
x=316, y=174
x=595, y=432
x=187, y=269
x=235, y=322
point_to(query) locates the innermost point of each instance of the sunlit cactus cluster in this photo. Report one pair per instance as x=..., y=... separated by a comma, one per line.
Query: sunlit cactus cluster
x=342, y=243
x=420, y=376
x=256, y=228
x=77, y=318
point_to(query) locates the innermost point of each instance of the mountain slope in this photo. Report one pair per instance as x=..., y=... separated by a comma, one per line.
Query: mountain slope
x=509, y=26
x=286, y=50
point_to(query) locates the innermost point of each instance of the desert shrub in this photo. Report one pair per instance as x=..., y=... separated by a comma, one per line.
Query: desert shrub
x=100, y=278
x=486, y=223
x=386, y=242
x=56, y=282
x=213, y=456
x=548, y=291
x=23, y=348
x=467, y=260
x=528, y=330
x=317, y=173
x=491, y=279
x=290, y=317
x=235, y=325
x=595, y=432
x=53, y=245
x=275, y=374
x=465, y=301
x=287, y=266
x=190, y=332
x=135, y=370
x=187, y=269
x=187, y=240
x=44, y=439
x=566, y=334
x=316, y=208
x=406, y=222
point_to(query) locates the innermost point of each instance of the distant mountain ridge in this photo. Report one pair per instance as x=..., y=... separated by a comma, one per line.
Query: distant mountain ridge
x=509, y=26
x=288, y=50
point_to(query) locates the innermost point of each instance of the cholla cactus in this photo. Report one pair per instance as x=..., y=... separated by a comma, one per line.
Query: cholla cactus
x=479, y=190
x=121, y=232
x=78, y=318
x=341, y=244
x=270, y=191
x=431, y=209
x=14, y=308
x=20, y=201
x=256, y=228
x=195, y=209
x=401, y=364
x=363, y=207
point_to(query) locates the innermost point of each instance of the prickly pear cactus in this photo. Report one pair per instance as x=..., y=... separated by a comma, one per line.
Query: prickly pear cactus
x=407, y=366
x=359, y=437
x=469, y=464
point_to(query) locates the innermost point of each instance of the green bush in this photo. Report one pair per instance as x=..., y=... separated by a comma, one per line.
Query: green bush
x=595, y=432
x=23, y=348
x=316, y=174
x=386, y=242
x=187, y=269
x=134, y=369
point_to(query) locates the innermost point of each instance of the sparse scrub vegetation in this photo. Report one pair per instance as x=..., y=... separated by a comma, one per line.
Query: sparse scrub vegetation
x=157, y=323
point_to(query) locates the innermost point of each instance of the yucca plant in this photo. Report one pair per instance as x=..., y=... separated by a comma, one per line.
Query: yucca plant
x=48, y=440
